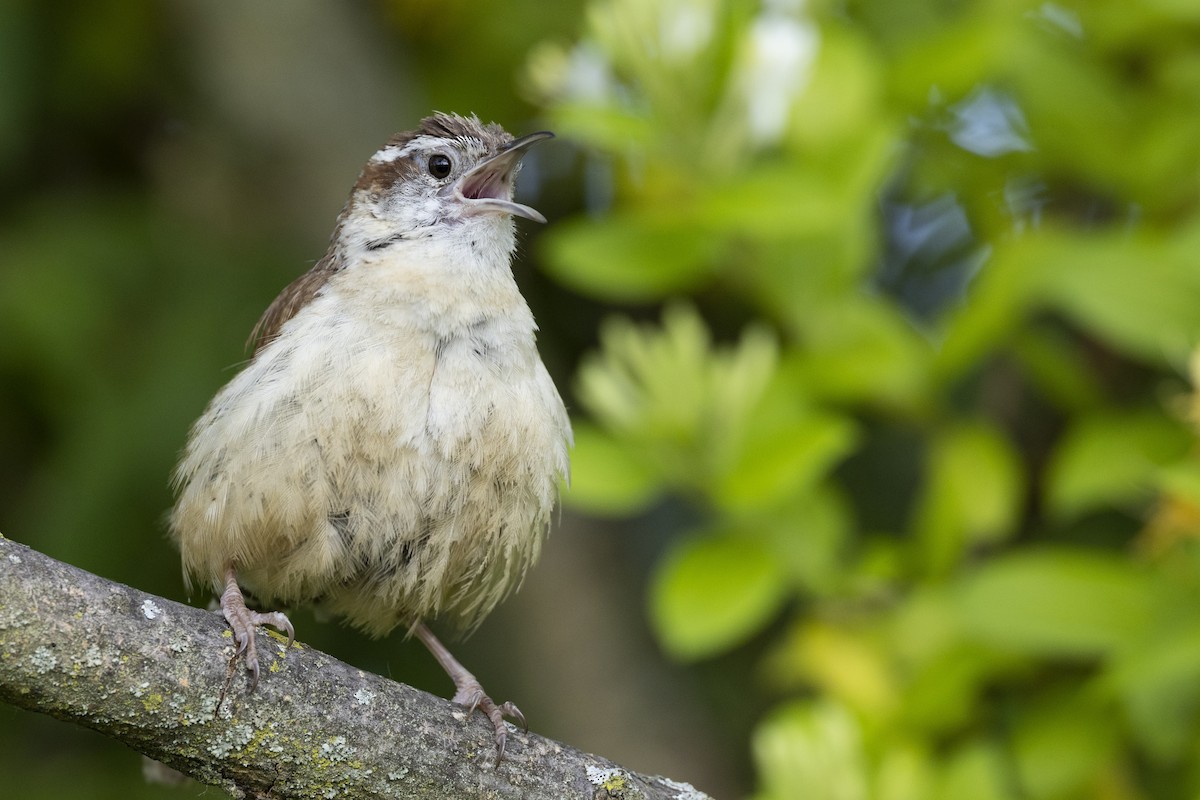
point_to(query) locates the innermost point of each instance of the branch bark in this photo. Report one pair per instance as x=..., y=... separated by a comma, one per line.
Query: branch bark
x=155, y=675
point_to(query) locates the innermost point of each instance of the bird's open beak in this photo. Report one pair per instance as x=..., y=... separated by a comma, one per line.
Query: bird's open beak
x=487, y=189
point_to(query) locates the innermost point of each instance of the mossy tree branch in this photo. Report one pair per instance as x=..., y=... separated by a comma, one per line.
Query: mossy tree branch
x=155, y=675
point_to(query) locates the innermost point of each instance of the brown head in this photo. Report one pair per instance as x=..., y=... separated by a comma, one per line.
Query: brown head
x=448, y=170
x=449, y=180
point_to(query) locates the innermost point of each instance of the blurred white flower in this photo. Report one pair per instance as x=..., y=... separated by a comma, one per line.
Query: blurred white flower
x=685, y=29
x=781, y=49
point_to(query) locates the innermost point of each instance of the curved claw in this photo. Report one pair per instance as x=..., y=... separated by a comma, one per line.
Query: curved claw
x=243, y=621
x=277, y=620
x=509, y=709
x=252, y=665
x=472, y=697
x=469, y=693
x=501, y=740
x=497, y=713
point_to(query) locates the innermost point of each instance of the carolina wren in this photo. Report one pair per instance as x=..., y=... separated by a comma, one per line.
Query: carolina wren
x=392, y=453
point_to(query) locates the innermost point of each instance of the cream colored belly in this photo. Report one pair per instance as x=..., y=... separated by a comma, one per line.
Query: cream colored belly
x=384, y=480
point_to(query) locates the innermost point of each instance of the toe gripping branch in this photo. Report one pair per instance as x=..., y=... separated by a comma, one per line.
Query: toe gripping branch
x=243, y=621
x=469, y=693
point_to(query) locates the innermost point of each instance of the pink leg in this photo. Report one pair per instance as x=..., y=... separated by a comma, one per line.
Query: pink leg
x=468, y=691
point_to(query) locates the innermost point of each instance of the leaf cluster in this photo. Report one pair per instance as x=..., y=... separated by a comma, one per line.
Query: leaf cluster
x=945, y=478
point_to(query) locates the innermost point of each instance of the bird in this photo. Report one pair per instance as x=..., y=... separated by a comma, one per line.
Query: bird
x=393, y=451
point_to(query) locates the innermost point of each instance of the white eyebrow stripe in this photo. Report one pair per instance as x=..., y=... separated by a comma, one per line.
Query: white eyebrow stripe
x=388, y=154
x=419, y=143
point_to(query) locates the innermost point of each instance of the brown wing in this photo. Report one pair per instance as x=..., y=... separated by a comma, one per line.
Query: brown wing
x=297, y=295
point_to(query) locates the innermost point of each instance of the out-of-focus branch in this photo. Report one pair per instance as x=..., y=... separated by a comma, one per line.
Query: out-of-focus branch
x=155, y=675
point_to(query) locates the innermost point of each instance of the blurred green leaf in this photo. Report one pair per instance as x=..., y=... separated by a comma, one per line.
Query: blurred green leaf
x=948, y=52
x=1109, y=459
x=652, y=383
x=843, y=661
x=809, y=536
x=1058, y=603
x=712, y=593
x=605, y=477
x=946, y=690
x=1060, y=113
x=977, y=770
x=601, y=126
x=865, y=351
x=1062, y=744
x=842, y=98
x=1056, y=364
x=1159, y=682
x=1139, y=291
x=998, y=301
x=973, y=494
x=780, y=455
x=683, y=403
x=784, y=200
x=1066, y=297
x=811, y=750
x=630, y=256
x=1181, y=479
x=946, y=675
x=905, y=772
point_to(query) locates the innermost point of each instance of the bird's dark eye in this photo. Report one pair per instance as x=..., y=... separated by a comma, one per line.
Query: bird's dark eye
x=439, y=165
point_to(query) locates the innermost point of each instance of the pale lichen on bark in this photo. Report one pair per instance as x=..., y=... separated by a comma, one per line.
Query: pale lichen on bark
x=150, y=672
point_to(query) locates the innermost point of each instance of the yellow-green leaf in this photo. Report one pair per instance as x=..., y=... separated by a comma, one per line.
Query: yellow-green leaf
x=1109, y=459
x=1059, y=603
x=605, y=477
x=629, y=256
x=972, y=495
x=812, y=750
x=713, y=593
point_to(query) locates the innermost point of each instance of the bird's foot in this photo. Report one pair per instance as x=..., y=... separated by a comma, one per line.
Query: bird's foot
x=243, y=621
x=470, y=694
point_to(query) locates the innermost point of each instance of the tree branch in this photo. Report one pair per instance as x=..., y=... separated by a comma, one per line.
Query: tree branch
x=155, y=675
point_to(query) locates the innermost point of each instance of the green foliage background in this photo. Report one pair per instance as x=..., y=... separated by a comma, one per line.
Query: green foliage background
x=875, y=320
